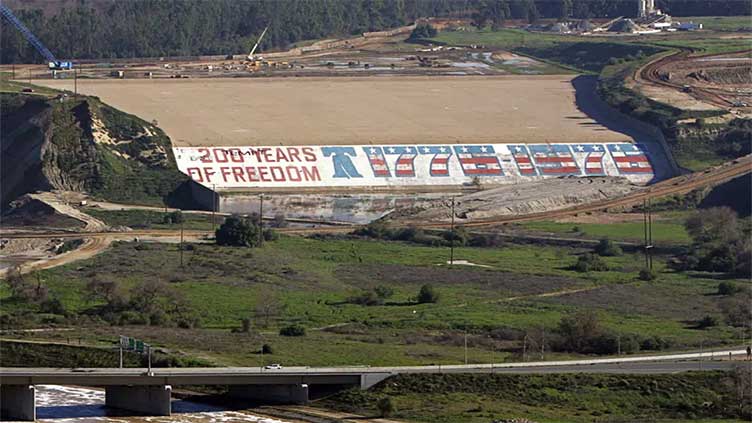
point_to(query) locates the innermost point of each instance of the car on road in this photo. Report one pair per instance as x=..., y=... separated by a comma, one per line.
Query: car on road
x=275, y=366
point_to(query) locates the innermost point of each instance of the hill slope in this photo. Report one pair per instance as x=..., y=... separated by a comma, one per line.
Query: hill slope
x=83, y=145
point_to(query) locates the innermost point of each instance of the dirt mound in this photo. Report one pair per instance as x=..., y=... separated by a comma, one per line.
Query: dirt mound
x=542, y=196
x=28, y=212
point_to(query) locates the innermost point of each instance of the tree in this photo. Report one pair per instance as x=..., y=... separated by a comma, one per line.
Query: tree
x=105, y=290
x=728, y=288
x=590, y=263
x=145, y=296
x=607, y=248
x=292, y=330
x=385, y=406
x=238, y=232
x=384, y=292
x=578, y=330
x=716, y=225
x=422, y=31
x=267, y=306
x=427, y=294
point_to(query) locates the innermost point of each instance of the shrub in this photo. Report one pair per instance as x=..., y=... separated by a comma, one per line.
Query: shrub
x=280, y=221
x=427, y=294
x=52, y=306
x=590, y=263
x=423, y=30
x=458, y=236
x=647, y=275
x=239, y=232
x=728, y=288
x=384, y=292
x=367, y=298
x=292, y=330
x=174, y=217
x=270, y=235
x=607, y=248
x=266, y=349
x=707, y=322
x=385, y=406
x=245, y=324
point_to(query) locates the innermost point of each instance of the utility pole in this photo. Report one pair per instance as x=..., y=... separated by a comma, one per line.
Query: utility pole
x=465, y=347
x=13, y=71
x=524, y=348
x=75, y=82
x=182, y=225
x=214, y=206
x=148, y=347
x=451, y=240
x=29, y=76
x=650, y=234
x=261, y=221
x=645, y=231
x=543, y=342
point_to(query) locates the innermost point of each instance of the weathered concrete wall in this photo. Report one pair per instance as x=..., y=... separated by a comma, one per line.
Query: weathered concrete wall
x=18, y=402
x=154, y=400
x=278, y=394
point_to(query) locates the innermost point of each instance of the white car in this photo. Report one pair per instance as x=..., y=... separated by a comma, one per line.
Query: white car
x=275, y=366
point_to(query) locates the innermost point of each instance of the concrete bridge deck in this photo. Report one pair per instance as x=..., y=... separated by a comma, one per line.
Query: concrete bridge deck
x=148, y=392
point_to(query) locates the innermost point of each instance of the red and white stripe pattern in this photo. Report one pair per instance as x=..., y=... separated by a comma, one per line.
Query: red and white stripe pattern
x=405, y=164
x=554, y=159
x=594, y=154
x=630, y=158
x=522, y=158
x=478, y=160
x=439, y=165
x=378, y=162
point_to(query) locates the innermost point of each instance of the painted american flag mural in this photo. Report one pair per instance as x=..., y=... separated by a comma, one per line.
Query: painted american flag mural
x=410, y=165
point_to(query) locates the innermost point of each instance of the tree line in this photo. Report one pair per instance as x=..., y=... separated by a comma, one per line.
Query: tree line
x=97, y=29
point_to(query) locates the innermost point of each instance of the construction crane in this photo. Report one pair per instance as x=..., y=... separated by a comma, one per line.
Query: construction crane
x=255, y=46
x=53, y=63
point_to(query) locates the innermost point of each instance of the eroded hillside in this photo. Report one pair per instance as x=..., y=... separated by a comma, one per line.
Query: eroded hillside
x=81, y=144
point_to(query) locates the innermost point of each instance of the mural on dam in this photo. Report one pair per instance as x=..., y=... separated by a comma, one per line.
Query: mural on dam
x=408, y=165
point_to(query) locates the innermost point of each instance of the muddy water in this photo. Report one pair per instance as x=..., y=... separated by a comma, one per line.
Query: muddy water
x=74, y=404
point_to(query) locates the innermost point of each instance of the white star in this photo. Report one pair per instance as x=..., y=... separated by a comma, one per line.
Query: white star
x=442, y=149
x=617, y=148
x=518, y=149
x=391, y=150
x=596, y=148
x=580, y=148
x=464, y=149
x=373, y=150
x=426, y=149
x=408, y=150
x=484, y=149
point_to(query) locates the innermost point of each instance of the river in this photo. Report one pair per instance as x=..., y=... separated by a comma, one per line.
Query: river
x=75, y=404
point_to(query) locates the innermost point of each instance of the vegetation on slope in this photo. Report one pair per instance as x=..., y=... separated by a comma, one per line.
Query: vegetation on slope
x=465, y=398
x=81, y=144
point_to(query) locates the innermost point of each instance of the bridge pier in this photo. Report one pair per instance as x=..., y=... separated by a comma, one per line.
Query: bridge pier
x=154, y=400
x=279, y=394
x=18, y=402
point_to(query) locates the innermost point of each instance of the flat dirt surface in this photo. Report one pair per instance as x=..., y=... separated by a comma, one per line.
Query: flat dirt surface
x=359, y=110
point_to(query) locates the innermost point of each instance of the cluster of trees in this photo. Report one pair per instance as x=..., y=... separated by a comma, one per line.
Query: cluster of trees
x=720, y=243
x=237, y=231
x=150, y=302
x=149, y=28
x=459, y=237
x=101, y=29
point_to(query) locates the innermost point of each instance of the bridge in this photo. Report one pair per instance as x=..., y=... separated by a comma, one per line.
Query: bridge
x=148, y=392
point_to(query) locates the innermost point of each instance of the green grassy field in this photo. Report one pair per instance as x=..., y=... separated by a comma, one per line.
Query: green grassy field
x=673, y=233
x=17, y=86
x=721, y=23
x=709, y=397
x=310, y=281
x=152, y=219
